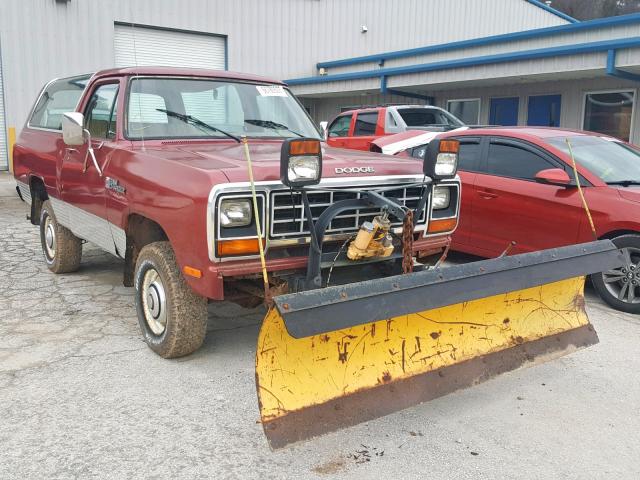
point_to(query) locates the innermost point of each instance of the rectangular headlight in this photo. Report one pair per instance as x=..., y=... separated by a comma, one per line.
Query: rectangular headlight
x=303, y=168
x=235, y=212
x=441, y=197
x=446, y=164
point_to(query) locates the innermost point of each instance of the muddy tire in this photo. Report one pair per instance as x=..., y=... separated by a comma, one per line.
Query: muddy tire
x=172, y=317
x=62, y=250
x=620, y=287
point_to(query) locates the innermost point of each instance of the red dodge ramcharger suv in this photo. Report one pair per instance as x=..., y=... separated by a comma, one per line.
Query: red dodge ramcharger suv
x=147, y=164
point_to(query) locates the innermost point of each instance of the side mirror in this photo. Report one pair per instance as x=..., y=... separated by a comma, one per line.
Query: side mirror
x=300, y=162
x=554, y=176
x=441, y=159
x=73, y=128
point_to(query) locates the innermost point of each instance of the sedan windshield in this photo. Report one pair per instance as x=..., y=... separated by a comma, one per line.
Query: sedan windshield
x=162, y=107
x=610, y=159
x=428, y=117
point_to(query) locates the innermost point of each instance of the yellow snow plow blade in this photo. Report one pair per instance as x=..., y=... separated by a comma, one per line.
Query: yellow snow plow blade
x=418, y=343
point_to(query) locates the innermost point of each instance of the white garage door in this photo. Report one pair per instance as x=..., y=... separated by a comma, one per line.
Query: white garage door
x=135, y=46
x=4, y=158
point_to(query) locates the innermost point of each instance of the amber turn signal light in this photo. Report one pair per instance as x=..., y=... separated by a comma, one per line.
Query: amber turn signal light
x=304, y=147
x=241, y=246
x=444, y=225
x=449, y=146
x=192, y=272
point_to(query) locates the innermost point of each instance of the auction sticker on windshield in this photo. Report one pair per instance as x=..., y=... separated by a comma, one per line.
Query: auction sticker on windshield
x=271, y=90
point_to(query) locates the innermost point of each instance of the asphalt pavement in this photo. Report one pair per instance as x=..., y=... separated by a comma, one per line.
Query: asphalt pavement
x=81, y=396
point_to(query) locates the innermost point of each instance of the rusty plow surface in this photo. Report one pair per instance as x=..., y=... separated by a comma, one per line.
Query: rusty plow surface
x=312, y=384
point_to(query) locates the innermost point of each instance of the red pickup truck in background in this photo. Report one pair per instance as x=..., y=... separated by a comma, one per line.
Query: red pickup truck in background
x=356, y=129
x=147, y=164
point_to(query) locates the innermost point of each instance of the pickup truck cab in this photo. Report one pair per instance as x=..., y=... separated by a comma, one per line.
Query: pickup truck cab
x=147, y=164
x=356, y=129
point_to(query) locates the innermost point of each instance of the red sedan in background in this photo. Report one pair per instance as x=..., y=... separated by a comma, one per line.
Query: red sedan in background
x=518, y=185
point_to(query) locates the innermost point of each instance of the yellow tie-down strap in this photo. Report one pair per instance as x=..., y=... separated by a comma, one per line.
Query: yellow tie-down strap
x=312, y=385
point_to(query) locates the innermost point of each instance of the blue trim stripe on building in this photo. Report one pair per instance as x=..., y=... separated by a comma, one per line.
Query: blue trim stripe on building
x=564, y=50
x=483, y=41
x=552, y=10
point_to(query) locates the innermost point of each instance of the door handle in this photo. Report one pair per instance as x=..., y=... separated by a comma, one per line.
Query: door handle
x=487, y=195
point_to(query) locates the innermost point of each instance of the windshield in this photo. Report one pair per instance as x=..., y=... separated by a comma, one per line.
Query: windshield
x=609, y=159
x=161, y=108
x=427, y=117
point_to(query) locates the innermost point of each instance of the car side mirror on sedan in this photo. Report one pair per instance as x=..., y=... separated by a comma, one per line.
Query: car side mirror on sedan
x=554, y=176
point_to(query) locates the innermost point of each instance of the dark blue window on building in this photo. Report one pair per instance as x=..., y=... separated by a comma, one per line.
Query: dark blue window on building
x=504, y=111
x=544, y=111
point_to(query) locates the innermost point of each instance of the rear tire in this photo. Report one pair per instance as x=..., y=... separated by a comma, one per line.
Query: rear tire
x=172, y=317
x=620, y=287
x=62, y=250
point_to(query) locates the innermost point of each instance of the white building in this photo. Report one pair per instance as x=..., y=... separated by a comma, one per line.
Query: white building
x=498, y=61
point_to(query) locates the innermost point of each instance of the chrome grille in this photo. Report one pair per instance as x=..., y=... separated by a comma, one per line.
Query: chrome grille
x=288, y=219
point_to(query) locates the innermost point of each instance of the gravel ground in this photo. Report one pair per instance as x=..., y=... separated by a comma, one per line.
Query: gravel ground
x=81, y=396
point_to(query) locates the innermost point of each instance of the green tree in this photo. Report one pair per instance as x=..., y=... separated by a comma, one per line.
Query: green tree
x=589, y=9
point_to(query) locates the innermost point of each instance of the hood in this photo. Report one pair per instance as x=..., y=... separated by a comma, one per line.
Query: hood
x=228, y=158
x=629, y=193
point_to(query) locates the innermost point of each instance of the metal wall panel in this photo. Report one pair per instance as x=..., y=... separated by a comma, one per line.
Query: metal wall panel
x=136, y=46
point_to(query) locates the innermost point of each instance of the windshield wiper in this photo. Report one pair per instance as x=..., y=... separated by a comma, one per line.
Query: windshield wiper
x=624, y=183
x=271, y=125
x=196, y=121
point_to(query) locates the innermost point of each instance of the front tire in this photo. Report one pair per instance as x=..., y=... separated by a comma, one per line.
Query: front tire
x=62, y=250
x=172, y=317
x=620, y=287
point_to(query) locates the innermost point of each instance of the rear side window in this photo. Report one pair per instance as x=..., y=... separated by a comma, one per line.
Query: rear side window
x=512, y=161
x=424, y=117
x=340, y=126
x=365, y=124
x=469, y=155
x=59, y=97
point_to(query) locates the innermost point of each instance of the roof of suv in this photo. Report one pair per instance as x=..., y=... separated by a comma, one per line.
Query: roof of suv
x=182, y=72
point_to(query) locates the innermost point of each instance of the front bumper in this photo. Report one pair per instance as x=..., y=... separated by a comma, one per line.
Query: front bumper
x=215, y=275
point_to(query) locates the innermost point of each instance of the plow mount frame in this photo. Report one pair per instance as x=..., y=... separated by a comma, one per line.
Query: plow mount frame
x=369, y=198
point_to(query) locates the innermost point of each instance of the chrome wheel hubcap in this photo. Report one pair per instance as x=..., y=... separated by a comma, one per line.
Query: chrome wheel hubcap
x=154, y=302
x=623, y=283
x=49, y=238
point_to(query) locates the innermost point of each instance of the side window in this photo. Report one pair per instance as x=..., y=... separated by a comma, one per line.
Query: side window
x=340, y=126
x=511, y=161
x=365, y=124
x=469, y=155
x=60, y=97
x=100, y=114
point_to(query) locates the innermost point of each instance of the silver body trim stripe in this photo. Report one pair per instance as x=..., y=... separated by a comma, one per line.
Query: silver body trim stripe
x=119, y=238
x=25, y=191
x=90, y=227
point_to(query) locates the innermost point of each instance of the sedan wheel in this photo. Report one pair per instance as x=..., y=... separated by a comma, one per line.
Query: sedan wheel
x=620, y=287
x=623, y=282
